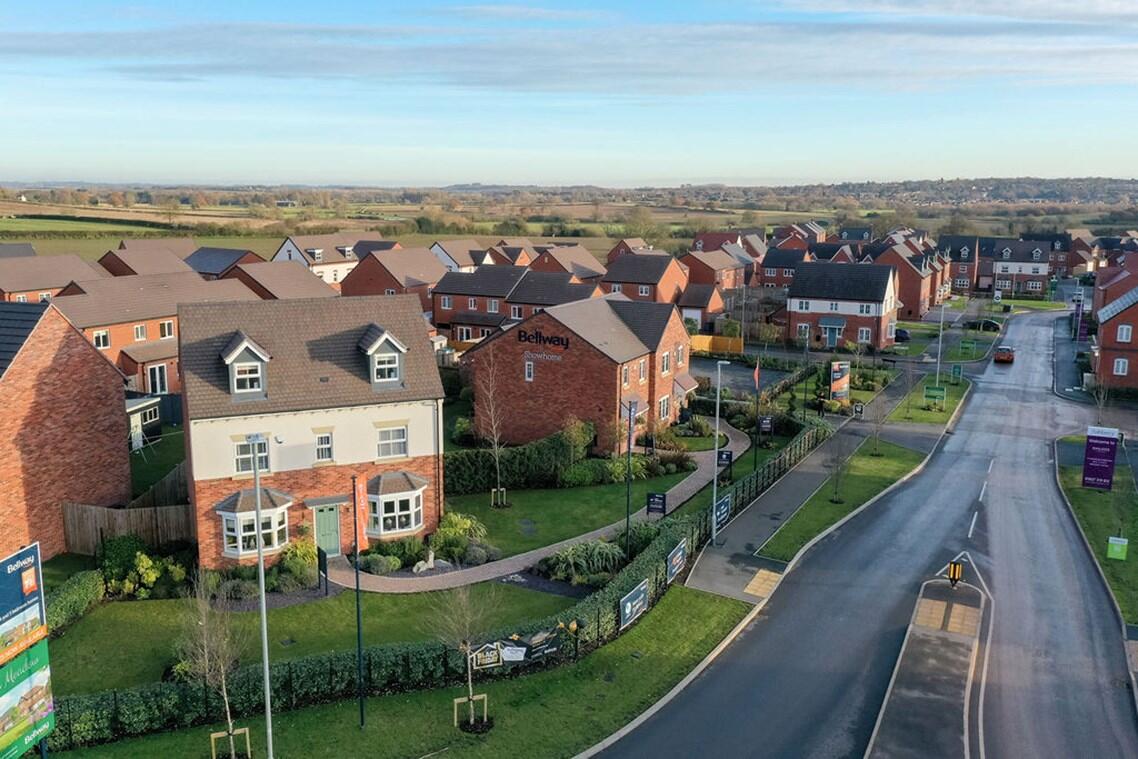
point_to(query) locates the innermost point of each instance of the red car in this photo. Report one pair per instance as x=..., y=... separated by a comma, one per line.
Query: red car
x=1005, y=354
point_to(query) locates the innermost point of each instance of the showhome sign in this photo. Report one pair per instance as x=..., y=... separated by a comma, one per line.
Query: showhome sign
x=26, y=706
x=1099, y=456
x=23, y=620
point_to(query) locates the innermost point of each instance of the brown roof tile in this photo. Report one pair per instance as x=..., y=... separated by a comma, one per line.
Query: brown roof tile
x=287, y=279
x=118, y=300
x=46, y=272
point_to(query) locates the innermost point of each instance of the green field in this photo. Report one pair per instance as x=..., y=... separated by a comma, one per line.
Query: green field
x=155, y=461
x=554, y=713
x=866, y=476
x=10, y=227
x=983, y=341
x=911, y=408
x=539, y=518
x=129, y=643
x=1102, y=514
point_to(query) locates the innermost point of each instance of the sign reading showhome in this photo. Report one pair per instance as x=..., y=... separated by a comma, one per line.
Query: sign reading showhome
x=26, y=706
x=839, y=380
x=1099, y=456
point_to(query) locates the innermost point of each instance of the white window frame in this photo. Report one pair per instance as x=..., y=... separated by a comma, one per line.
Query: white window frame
x=1125, y=333
x=236, y=528
x=139, y=333
x=892, y=330
x=166, y=329
x=243, y=456
x=472, y=304
x=962, y=268
x=445, y=302
x=767, y=271
x=389, y=291
x=408, y=504
x=833, y=305
x=643, y=370
x=962, y=283
x=803, y=305
x=384, y=363
x=492, y=306
x=614, y=287
x=515, y=312
x=397, y=447
x=644, y=291
x=864, y=335
x=157, y=371
x=679, y=355
x=624, y=375
x=528, y=371
x=1034, y=285
x=463, y=334
x=45, y=297
x=149, y=415
x=101, y=336
x=21, y=298
x=1121, y=367
x=664, y=406
x=665, y=363
x=324, y=449
x=254, y=381
x=788, y=272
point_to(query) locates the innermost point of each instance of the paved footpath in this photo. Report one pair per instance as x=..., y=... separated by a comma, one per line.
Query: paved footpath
x=728, y=568
x=341, y=572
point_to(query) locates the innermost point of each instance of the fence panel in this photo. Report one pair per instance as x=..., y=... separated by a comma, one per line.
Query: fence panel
x=171, y=490
x=84, y=526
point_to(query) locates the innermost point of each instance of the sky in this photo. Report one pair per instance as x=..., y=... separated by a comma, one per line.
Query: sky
x=618, y=93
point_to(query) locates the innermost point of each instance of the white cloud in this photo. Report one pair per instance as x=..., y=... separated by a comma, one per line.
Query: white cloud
x=1070, y=11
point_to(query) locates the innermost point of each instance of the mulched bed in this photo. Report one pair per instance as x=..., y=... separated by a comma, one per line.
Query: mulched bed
x=546, y=585
x=282, y=600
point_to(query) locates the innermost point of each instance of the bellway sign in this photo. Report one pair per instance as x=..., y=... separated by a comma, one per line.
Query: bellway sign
x=1099, y=456
x=634, y=604
x=26, y=707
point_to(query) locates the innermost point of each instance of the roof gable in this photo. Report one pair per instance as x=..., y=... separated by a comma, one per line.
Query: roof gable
x=637, y=269
x=17, y=322
x=828, y=281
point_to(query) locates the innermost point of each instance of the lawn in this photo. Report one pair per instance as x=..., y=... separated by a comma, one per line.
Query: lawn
x=554, y=713
x=156, y=461
x=59, y=568
x=539, y=518
x=865, y=476
x=11, y=227
x=741, y=468
x=128, y=643
x=958, y=303
x=983, y=342
x=703, y=443
x=1044, y=305
x=1102, y=514
x=920, y=333
x=452, y=410
x=912, y=408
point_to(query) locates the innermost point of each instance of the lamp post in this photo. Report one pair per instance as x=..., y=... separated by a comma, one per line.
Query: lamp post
x=939, y=344
x=715, y=472
x=359, y=608
x=628, y=485
x=255, y=442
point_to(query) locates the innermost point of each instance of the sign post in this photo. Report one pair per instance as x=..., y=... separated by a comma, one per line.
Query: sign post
x=657, y=503
x=859, y=409
x=1116, y=548
x=724, y=457
x=26, y=706
x=722, y=511
x=1099, y=456
x=957, y=373
x=936, y=394
x=634, y=604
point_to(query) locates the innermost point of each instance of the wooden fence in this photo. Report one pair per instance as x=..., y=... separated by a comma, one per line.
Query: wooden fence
x=171, y=490
x=716, y=344
x=85, y=526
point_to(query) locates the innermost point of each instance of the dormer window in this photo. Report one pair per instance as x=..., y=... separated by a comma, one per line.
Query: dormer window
x=348, y=251
x=247, y=362
x=1007, y=252
x=385, y=356
x=386, y=368
x=317, y=254
x=1035, y=254
x=247, y=378
x=964, y=253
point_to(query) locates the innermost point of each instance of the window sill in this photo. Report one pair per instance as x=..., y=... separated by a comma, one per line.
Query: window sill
x=253, y=553
x=316, y=464
x=386, y=459
x=394, y=533
x=244, y=476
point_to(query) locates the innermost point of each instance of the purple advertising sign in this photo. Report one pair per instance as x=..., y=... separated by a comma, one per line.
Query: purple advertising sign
x=1098, y=458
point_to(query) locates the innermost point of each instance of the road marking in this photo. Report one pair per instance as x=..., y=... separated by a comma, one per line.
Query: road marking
x=983, y=490
x=990, y=462
x=973, y=525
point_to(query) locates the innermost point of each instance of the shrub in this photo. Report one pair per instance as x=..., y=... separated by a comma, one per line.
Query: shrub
x=298, y=559
x=409, y=551
x=666, y=439
x=699, y=426
x=832, y=407
x=466, y=393
x=582, y=559
x=475, y=555
x=464, y=524
x=74, y=598
x=463, y=432
x=450, y=545
x=681, y=461
x=583, y=473
x=117, y=556
x=238, y=589
x=535, y=465
x=378, y=564
x=642, y=534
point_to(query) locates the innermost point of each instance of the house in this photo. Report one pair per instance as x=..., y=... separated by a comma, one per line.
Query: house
x=279, y=280
x=128, y=263
x=460, y=255
x=26, y=279
x=627, y=245
x=585, y=360
x=63, y=432
x=1021, y=268
x=539, y=290
x=807, y=231
x=215, y=263
x=658, y=278
x=831, y=305
x=510, y=255
x=915, y=282
x=16, y=249
x=778, y=267
x=350, y=388
x=396, y=272
x=715, y=267
x=133, y=321
x=963, y=252
x=855, y=234
x=570, y=259
x=701, y=303
x=1110, y=283
x=1114, y=355
x=329, y=257
x=182, y=247
x=363, y=248
x=471, y=305
x=756, y=246
x=715, y=240
x=835, y=252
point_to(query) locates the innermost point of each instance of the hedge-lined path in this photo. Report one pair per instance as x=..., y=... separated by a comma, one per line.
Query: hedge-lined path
x=341, y=573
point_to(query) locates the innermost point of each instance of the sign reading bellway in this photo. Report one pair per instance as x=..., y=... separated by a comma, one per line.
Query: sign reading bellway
x=26, y=707
x=1098, y=458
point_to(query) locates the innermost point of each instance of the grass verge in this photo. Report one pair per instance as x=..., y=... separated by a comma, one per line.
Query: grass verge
x=956, y=353
x=554, y=713
x=156, y=461
x=128, y=643
x=866, y=475
x=912, y=407
x=704, y=443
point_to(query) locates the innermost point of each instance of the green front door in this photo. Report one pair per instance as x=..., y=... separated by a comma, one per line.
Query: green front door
x=328, y=529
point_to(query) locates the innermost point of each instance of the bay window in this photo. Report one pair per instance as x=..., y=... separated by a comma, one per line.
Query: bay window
x=395, y=513
x=239, y=531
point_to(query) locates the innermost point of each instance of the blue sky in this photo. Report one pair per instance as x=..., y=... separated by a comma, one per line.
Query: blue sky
x=618, y=93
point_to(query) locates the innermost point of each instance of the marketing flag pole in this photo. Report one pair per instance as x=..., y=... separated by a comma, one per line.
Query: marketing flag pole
x=360, y=537
x=758, y=435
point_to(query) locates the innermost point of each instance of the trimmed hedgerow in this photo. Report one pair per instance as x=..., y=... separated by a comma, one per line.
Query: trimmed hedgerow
x=535, y=465
x=75, y=597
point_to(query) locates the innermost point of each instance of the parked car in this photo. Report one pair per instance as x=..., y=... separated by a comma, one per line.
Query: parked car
x=983, y=325
x=902, y=336
x=1005, y=354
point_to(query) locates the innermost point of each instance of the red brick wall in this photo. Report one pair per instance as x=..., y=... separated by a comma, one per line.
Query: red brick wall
x=546, y=262
x=913, y=290
x=878, y=325
x=307, y=483
x=702, y=274
x=63, y=432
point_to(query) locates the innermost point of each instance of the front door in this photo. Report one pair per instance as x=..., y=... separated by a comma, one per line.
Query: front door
x=156, y=378
x=832, y=336
x=328, y=529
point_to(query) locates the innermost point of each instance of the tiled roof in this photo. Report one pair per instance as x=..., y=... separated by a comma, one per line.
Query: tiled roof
x=118, y=300
x=696, y=296
x=411, y=266
x=780, y=258
x=17, y=320
x=478, y=318
x=16, y=249
x=215, y=261
x=840, y=282
x=640, y=270
x=1118, y=305
x=332, y=247
x=148, y=261
x=364, y=247
x=287, y=279
x=46, y=272
x=464, y=252
x=646, y=320
x=576, y=260
x=154, y=350
x=549, y=288
x=395, y=482
x=244, y=501
x=492, y=281
x=179, y=246
x=316, y=359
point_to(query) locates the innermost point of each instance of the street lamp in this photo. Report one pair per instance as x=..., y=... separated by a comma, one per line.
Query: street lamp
x=939, y=344
x=628, y=485
x=715, y=471
x=255, y=441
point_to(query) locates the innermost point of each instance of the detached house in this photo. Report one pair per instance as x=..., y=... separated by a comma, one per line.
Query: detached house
x=63, y=433
x=963, y=252
x=278, y=280
x=715, y=267
x=1021, y=267
x=569, y=259
x=127, y=263
x=460, y=255
x=396, y=272
x=350, y=387
x=38, y=279
x=915, y=282
x=659, y=278
x=329, y=257
x=831, y=305
x=627, y=245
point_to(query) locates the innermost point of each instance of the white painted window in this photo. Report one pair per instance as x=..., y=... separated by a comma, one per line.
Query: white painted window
x=149, y=415
x=395, y=513
x=463, y=334
x=335, y=275
x=444, y=302
x=166, y=329
x=386, y=367
x=492, y=306
x=644, y=291
x=1124, y=331
x=1034, y=285
x=679, y=355
x=515, y=312
x=389, y=291
x=643, y=370
x=1004, y=269
x=247, y=378
x=239, y=531
x=392, y=442
x=803, y=305
x=484, y=332
x=664, y=407
x=101, y=338
x=472, y=304
x=1121, y=367
x=803, y=330
x=624, y=375
x=1003, y=284
x=963, y=268
x=529, y=371
x=833, y=306
x=139, y=332
x=788, y=272
x=614, y=288
x=243, y=457
x=892, y=332
x=1035, y=270
x=45, y=297
x=863, y=334
x=962, y=283
x=21, y=298
x=324, y=446
x=665, y=362
x=770, y=272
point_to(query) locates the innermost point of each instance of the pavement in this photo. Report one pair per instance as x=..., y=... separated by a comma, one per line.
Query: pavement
x=341, y=572
x=808, y=677
x=1068, y=379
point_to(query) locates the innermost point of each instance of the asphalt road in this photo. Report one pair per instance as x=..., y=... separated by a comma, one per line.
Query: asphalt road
x=807, y=679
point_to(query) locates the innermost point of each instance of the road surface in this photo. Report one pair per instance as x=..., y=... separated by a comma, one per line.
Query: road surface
x=807, y=679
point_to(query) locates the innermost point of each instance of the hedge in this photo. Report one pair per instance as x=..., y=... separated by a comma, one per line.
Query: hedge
x=74, y=598
x=534, y=465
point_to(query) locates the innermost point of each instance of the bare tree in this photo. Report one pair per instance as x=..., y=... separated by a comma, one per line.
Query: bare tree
x=878, y=413
x=459, y=621
x=490, y=413
x=840, y=448
x=909, y=377
x=1101, y=394
x=857, y=349
x=211, y=645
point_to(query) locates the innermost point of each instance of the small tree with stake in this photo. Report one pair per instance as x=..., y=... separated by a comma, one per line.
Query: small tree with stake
x=490, y=413
x=459, y=620
x=836, y=464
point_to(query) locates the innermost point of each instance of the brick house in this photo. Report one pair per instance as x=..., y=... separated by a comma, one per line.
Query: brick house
x=1110, y=283
x=133, y=321
x=277, y=280
x=349, y=388
x=215, y=263
x=1114, y=355
x=915, y=283
x=471, y=305
x=715, y=240
x=126, y=263
x=627, y=245
x=836, y=252
x=855, y=234
x=702, y=303
x=830, y=305
x=570, y=259
x=329, y=257
x=539, y=290
x=1021, y=268
x=659, y=277
x=181, y=247
x=57, y=449
x=583, y=360
x=756, y=246
x=396, y=272
x=779, y=266
x=510, y=255
x=963, y=253
x=460, y=255
x=714, y=267
x=37, y=280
